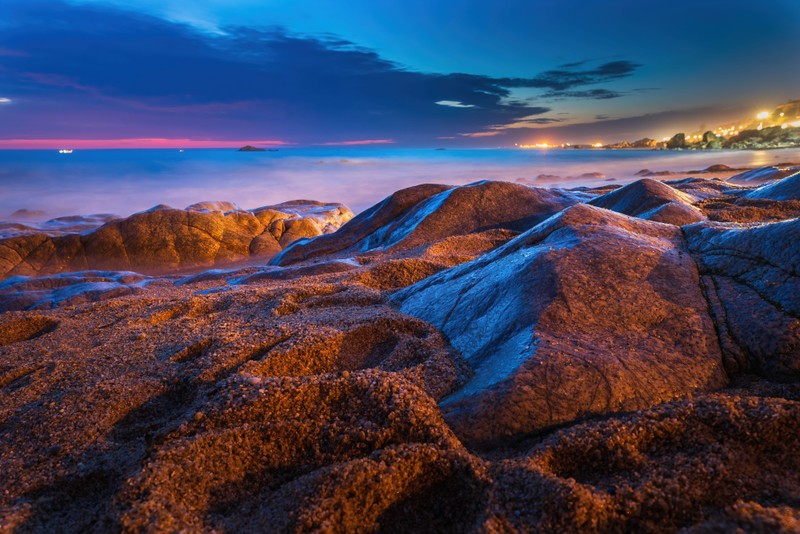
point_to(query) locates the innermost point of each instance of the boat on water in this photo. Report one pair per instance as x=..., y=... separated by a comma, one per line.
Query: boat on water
x=65, y=151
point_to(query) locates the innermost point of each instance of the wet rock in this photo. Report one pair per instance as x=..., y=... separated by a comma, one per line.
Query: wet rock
x=702, y=188
x=164, y=239
x=296, y=399
x=579, y=315
x=26, y=293
x=651, y=199
x=213, y=205
x=752, y=277
x=764, y=174
x=787, y=188
x=425, y=214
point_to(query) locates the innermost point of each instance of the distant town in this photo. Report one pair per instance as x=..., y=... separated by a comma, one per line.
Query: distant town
x=778, y=128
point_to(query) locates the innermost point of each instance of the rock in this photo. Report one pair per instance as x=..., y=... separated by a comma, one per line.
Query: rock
x=214, y=205
x=72, y=224
x=27, y=214
x=764, y=174
x=677, y=141
x=265, y=246
x=719, y=167
x=702, y=188
x=296, y=399
x=787, y=188
x=580, y=315
x=328, y=216
x=648, y=172
x=165, y=239
x=295, y=229
x=740, y=209
x=675, y=212
x=25, y=293
x=289, y=273
x=356, y=233
x=752, y=278
x=425, y=214
x=766, y=138
x=251, y=148
x=645, y=143
x=711, y=140
x=646, y=199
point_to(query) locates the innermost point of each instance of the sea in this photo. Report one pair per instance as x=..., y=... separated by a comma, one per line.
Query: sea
x=49, y=184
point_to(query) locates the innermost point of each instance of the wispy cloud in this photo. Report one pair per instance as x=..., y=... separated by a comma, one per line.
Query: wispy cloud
x=527, y=122
x=481, y=134
x=593, y=94
x=454, y=104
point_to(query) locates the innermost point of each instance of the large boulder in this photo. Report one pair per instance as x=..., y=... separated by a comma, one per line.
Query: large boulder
x=165, y=239
x=677, y=141
x=428, y=213
x=751, y=276
x=589, y=312
x=764, y=174
x=701, y=188
x=787, y=188
x=652, y=200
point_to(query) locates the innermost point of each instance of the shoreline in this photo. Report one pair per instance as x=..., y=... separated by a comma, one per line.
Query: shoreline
x=30, y=216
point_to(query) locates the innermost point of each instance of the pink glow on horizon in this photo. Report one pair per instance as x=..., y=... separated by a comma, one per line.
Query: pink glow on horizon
x=359, y=142
x=55, y=144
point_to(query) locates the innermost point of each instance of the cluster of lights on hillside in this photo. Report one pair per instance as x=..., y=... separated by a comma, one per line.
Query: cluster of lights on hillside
x=729, y=131
x=554, y=145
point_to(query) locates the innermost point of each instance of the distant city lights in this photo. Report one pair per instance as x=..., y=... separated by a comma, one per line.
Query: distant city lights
x=544, y=145
x=764, y=120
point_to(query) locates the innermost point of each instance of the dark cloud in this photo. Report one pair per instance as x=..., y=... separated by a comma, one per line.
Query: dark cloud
x=593, y=94
x=83, y=71
x=543, y=120
x=528, y=122
x=569, y=77
x=574, y=64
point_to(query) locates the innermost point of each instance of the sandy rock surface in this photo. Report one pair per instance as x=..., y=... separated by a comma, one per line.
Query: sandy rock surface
x=511, y=360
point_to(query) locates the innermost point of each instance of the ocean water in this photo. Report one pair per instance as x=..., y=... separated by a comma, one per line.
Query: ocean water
x=123, y=182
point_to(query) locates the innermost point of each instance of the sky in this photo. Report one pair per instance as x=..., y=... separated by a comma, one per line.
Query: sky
x=410, y=73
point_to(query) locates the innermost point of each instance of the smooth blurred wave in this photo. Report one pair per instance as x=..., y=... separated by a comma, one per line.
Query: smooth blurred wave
x=49, y=184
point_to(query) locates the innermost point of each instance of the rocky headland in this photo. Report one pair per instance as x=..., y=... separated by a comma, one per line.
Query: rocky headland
x=486, y=358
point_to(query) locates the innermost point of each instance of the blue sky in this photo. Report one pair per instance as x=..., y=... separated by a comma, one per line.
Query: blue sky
x=415, y=73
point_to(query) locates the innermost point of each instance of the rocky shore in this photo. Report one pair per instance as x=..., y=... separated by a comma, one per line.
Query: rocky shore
x=491, y=357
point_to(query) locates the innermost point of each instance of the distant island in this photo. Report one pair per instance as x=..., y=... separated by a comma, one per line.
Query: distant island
x=251, y=148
